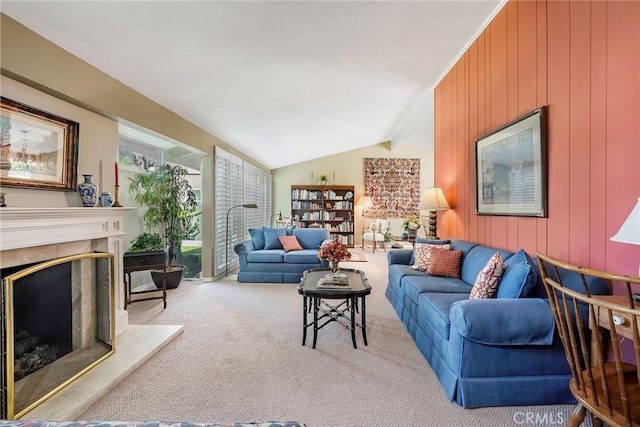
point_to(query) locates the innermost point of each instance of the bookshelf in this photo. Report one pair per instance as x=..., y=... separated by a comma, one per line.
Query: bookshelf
x=326, y=206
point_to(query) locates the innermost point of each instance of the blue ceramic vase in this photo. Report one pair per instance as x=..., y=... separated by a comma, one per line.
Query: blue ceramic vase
x=106, y=199
x=88, y=192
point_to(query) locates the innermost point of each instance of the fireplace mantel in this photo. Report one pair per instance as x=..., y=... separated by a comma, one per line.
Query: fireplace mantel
x=27, y=227
x=30, y=227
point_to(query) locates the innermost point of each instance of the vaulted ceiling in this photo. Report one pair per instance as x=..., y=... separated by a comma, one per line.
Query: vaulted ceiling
x=281, y=81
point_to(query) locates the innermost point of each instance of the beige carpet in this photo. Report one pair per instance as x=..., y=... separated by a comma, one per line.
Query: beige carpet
x=241, y=359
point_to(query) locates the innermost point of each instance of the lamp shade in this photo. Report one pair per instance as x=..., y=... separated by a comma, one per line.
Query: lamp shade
x=630, y=230
x=365, y=202
x=433, y=199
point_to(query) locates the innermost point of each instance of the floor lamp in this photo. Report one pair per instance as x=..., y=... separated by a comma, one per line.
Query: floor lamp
x=226, y=246
x=433, y=199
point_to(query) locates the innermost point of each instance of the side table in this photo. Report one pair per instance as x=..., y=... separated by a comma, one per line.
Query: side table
x=155, y=260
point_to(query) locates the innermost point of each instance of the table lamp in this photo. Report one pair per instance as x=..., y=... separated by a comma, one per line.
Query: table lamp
x=366, y=202
x=433, y=200
x=630, y=231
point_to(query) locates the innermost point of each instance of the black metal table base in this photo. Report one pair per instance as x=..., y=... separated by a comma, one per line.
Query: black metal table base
x=344, y=314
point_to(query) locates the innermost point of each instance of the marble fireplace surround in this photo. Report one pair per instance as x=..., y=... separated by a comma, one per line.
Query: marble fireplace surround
x=37, y=234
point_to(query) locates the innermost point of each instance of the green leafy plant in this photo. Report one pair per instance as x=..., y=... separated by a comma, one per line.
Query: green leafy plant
x=387, y=234
x=172, y=209
x=323, y=177
x=146, y=242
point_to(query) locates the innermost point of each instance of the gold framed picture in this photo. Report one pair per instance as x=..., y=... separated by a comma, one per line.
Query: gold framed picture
x=37, y=149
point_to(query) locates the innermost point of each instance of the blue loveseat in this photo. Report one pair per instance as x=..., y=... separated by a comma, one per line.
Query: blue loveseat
x=485, y=352
x=262, y=259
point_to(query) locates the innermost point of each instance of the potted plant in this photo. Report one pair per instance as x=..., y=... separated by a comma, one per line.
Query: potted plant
x=334, y=252
x=323, y=179
x=171, y=213
x=146, y=249
x=387, y=234
x=411, y=224
x=146, y=252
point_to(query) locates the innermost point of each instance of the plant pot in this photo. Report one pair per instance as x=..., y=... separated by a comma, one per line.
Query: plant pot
x=153, y=259
x=412, y=233
x=173, y=277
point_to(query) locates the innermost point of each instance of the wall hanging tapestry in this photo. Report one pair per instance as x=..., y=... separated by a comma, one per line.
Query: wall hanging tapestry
x=393, y=185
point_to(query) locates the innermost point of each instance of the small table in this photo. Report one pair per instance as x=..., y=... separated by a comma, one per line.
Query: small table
x=625, y=329
x=143, y=261
x=343, y=313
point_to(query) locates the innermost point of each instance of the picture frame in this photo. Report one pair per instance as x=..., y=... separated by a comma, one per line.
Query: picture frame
x=38, y=150
x=511, y=168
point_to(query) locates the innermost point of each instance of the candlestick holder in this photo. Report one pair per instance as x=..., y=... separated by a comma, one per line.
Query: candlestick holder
x=116, y=197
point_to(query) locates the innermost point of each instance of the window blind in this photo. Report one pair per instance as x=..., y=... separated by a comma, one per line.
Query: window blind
x=237, y=182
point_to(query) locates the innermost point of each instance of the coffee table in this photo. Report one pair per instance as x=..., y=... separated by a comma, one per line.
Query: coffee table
x=344, y=313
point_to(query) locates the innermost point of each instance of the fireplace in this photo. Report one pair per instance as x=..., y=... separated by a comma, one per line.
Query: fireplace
x=57, y=324
x=42, y=318
x=41, y=239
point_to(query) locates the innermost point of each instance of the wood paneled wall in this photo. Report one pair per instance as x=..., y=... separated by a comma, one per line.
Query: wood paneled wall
x=582, y=60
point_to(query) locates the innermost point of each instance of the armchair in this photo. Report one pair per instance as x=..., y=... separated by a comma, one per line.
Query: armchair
x=375, y=233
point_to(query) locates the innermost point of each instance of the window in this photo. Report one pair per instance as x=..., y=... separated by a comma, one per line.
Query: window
x=236, y=183
x=140, y=150
x=257, y=189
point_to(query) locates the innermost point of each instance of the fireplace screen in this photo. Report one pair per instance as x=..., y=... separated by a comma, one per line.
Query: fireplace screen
x=57, y=323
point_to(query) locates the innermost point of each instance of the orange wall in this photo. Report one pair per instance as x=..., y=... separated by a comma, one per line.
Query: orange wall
x=582, y=60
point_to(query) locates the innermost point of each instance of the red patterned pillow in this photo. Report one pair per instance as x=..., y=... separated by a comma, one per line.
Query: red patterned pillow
x=290, y=243
x=488, y=279
x=444, y=263
x=422, y=255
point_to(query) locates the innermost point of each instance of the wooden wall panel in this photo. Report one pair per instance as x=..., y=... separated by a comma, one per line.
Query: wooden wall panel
x=581, y=60
x=472, y=73
x=598, y=131
x=579, y=134
x=558, y=99
x=499, y=111
x=462, y=198
x=482, y=123
x=542, y=225
x=527, y=98
x=512, y=100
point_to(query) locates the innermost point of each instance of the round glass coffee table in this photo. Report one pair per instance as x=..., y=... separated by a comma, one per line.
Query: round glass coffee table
x=315, y=298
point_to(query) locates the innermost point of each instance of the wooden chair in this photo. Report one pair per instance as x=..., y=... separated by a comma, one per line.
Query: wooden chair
x=607, y=387
x=375, y=233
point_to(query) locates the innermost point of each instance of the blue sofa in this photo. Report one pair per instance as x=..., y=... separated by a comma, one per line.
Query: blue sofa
x=485, y=352
x=262, y=259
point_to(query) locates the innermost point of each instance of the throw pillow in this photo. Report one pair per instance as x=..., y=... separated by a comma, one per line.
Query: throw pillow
x=421, y=241
x=422, y=255
x=520, y=278
x=290, y=243
x=486, y=284
x=444, y=263
x=257, y=237
x=271, y=235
